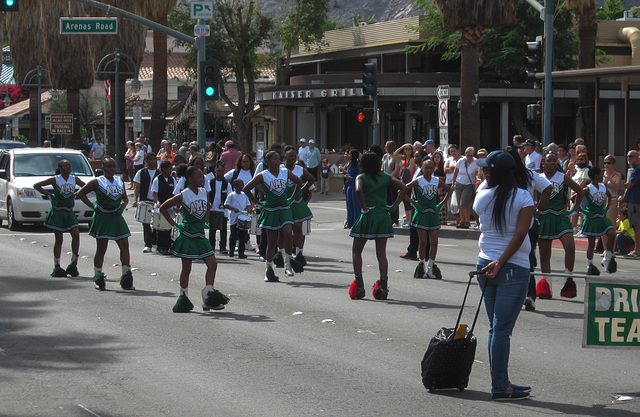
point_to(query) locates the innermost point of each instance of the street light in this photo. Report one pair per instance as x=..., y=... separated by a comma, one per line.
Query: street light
x=110, y=65
x=38, y=73
x=55, y=94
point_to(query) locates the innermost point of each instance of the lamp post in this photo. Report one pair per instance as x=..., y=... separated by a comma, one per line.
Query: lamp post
x=40, y=75
x=118, y=64
x=7, y=102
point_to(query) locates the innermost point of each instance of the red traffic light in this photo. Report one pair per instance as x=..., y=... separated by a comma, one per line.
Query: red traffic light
x=361, y=117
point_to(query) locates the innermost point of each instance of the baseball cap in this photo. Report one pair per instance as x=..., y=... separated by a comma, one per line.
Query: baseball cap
x=312, y=141
x=429, y=142
x=530, y=142
x=501, y=160
x=303, y=140
x=482, y=151
x=193, y=147
x=552, y=147
x=229, y=143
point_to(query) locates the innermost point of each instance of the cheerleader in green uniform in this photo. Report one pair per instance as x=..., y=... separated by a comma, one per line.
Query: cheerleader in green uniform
x=299, y=209
x=426, y=217
x=275, y=215
x=596, y=223
x=554, y=224
x=61, y=217
x=374, y=222
x=192, y=242
x=107, y=223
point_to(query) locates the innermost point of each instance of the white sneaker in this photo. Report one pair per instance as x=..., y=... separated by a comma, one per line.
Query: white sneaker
x=147, y=249
x=529, y=304
x=288, y=271
x=249, y=246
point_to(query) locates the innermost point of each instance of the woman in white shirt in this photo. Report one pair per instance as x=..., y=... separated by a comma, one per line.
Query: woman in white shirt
x=505, y=212
x=464, y=182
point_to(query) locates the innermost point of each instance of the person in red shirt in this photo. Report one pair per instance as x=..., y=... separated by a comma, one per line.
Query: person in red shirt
x=230, y=156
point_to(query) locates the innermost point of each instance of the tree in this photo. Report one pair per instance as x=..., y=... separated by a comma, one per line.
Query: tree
x=240, y=33
x=303, y=24
x=471, y=18
x=68, y=66
x=612, y=10
x=27, y=52
x=157, y=10
x=130, y=40
x=587, y=32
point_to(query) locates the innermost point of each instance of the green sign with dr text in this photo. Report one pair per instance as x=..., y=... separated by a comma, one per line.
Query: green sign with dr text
x=88, y=25
x=612, y=313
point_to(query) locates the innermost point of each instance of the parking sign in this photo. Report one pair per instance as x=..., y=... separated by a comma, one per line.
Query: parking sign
x=201, y=9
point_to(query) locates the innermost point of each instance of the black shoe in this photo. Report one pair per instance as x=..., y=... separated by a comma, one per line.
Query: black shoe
x=231, y=254
x=242, y=256
x=224, y=251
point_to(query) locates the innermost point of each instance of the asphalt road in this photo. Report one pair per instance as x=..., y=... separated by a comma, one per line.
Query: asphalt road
x=296, y=348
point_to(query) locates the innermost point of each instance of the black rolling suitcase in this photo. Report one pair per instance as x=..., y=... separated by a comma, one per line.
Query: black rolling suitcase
x=447, y=362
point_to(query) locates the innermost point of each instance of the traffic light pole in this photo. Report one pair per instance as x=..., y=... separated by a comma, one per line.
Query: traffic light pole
x=375, y=120
x=548, y=69
x=198, y=43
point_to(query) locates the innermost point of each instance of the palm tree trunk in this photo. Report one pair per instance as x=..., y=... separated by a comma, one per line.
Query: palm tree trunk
x=160, y=94
x=587, y=33
x=33, y=117
x=469, y=80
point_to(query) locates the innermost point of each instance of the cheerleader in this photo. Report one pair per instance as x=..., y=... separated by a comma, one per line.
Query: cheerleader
x=192, y=242
x=275, y=215
x=61, y=217
x=374, y=222
x=107, y=223
x=554, y=224
x=299, y=209
x=426, y=217
x=596, y=223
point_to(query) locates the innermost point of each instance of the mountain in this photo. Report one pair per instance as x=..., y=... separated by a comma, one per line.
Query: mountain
x=381, y=10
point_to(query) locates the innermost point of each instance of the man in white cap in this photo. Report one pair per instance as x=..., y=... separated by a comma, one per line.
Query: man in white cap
x=313, y=159
x=303, y=151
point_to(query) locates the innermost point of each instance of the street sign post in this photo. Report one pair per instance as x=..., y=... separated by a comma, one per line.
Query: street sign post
x=443, y=115
x=62, y=124
x=201, y=30
x=137, y=119
x=88, y=25
x=201, y=9
x=443, y=92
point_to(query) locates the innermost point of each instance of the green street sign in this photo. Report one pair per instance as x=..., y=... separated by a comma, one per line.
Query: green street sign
x=88, y=25
x=612, y=313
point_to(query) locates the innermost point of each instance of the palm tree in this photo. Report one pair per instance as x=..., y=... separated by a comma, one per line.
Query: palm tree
x=68, y=63
x=129, y=40
x=471, y=18
x=587, y=32
x=157, y=10
x=27, y=52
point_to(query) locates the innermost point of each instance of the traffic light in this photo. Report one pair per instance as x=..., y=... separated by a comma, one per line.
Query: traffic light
x=533, y=59
x=364, y=116
x=9, y=5
x=370, y=79
x=208, y=80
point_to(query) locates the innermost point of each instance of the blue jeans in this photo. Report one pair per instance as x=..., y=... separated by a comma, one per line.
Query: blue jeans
x=503, y=300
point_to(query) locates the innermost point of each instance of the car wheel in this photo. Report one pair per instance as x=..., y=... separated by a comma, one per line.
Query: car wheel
x=12, y=223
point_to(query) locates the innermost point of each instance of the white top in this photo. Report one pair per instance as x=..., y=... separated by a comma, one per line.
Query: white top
x=492, y=243
x=152, y=173
x=68, y=187
x=244, y=175
x=215, y=205
x=277, y=185
x=448, y=178
x=538, y=183
x=98, y=150
x=139, y=158
x=533, y=161
x=599, y=194
x=239, y=201
x=428, y=189
x=466, y=172
x=181, y=184
x=303, y=154
x=196, y=204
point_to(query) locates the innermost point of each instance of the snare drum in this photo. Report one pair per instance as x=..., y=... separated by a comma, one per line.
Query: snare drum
x=144, y=212
x=243, y=222
x=159, y=222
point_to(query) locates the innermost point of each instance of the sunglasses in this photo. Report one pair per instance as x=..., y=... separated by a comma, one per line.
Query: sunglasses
x=608, y=162
x=631, y=156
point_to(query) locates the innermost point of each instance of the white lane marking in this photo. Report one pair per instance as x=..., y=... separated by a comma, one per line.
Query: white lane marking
x=86, y=409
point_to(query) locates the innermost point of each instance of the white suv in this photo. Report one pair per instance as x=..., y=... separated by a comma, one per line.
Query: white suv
x=21, y=168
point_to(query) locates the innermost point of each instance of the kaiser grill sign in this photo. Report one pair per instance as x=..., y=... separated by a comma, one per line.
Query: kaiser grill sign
x=88, y=25
x=612, y=313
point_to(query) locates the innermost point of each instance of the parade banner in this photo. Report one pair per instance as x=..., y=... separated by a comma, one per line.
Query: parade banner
x=611, y=312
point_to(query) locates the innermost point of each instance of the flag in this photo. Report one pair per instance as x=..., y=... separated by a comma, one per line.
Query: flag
x=107, y=88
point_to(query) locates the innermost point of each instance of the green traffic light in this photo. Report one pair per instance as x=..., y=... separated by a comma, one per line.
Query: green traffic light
x=9, y=2
x=210, y=91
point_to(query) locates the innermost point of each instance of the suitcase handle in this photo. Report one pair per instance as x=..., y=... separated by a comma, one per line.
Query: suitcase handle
x=475, y=318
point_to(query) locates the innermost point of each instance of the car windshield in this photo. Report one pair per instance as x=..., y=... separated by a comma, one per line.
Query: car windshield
x=45, y=164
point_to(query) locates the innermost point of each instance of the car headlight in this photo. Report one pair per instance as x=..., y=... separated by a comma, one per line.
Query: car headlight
x=27, y=192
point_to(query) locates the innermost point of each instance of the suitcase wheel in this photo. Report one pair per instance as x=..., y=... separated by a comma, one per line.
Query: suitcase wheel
x=461, y=388
x=432, y=388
